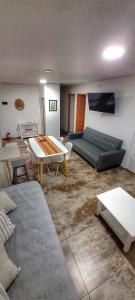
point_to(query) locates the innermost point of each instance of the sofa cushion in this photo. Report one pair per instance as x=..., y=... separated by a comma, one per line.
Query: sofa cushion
x=35, y=247
x=88, y=150
x=6, y=202
x=102, y=140
x=8, y=271
x=6, y=226
x=3, y=294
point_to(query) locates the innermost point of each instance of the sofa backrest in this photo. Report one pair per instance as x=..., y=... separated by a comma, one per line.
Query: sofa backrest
x=102, y=140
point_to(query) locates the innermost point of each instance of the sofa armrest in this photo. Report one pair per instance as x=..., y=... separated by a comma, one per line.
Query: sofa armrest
x=110, y=159
x=72, y=136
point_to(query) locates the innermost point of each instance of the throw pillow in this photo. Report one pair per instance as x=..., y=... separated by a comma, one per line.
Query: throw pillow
x=6, y=226
x=6, y=203
x=3, y=294
x=8, y=271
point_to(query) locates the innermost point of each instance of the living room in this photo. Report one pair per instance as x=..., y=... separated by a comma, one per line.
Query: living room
x=67, y=168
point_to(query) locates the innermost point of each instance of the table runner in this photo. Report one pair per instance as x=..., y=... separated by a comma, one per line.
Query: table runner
x=47, y=145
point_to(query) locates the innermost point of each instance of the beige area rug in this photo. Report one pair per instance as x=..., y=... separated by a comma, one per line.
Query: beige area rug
x=8, y=152
x=97, y=251
x=11, y=151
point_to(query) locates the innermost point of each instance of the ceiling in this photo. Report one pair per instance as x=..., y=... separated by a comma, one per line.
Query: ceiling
x=67, y=36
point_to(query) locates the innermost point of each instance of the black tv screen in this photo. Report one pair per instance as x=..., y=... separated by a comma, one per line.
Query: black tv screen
x=103, y=102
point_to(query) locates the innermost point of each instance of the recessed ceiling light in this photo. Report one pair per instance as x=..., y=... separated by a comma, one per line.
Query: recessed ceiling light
x=48, y=70
x=43, y=81
x=113, y=52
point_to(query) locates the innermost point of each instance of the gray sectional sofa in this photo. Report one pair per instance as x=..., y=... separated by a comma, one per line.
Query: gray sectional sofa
x=101, y=150
x=34, y=247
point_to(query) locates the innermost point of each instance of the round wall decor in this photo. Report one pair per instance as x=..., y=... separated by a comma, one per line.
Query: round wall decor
x=19, y=104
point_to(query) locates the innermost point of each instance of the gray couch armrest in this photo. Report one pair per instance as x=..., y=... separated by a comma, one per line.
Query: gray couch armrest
x=110, y=159
x=72, y=136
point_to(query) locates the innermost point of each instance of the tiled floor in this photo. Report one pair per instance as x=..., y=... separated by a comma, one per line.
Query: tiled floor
x=96, y=264
x=98, y=267
x=74, y=270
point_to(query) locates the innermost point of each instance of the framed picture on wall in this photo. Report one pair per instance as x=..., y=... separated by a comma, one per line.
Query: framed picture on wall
x=52, y=105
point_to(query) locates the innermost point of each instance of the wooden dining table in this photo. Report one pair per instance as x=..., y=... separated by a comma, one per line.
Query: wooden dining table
x=47, y=146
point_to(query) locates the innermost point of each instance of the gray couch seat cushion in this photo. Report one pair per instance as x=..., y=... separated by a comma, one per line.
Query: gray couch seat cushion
x=35, y=247
x=87, y=149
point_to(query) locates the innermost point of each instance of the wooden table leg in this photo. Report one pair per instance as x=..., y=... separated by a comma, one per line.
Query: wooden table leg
x=41, y=171
x=65, y=165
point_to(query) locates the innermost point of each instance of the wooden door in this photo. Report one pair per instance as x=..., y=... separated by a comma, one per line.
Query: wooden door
x=80, y=113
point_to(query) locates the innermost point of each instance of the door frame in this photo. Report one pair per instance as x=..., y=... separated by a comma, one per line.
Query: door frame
x=80, y=94
x=70, y=94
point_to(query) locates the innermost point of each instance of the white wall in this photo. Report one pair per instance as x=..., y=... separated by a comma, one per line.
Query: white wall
x=72, y=113
x=122, y=123
x=64, y=108
x=9, y=116
x=52, y=118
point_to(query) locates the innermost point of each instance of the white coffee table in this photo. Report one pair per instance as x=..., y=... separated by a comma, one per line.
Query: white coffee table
x=119, y=213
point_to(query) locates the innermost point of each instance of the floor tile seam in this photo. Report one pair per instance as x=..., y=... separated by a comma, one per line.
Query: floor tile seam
x=85, y=296
x=101, y=283
x=78, y=268
x=119, y=251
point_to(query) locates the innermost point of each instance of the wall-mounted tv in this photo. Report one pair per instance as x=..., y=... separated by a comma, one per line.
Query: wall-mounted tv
x=103, y=102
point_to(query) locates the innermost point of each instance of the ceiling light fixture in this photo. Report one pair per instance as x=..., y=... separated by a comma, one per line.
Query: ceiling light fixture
x=48, y=70
x=113, y=52
x=43, y=81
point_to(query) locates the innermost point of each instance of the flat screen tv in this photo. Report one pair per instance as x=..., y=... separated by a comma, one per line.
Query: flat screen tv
x=103, y=102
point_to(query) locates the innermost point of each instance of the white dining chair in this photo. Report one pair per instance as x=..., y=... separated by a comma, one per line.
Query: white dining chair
x=60, y=158
x=36, y=162
x=26, y=143
x=46, y=161
x=61, y=139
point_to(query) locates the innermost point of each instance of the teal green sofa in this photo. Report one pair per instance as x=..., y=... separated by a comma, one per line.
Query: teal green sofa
x=101, y=150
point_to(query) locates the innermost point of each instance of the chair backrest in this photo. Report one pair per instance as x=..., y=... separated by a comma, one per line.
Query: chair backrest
x=26, y=143
x=69, y=146
x=61, y=139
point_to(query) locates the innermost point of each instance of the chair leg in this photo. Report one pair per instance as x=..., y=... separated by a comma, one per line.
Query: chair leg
x=69, y=172
x=15, y=176
x=34, y=169
x=38, y=170
x=26, y=173
x=57, y=168
x=49, y=172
